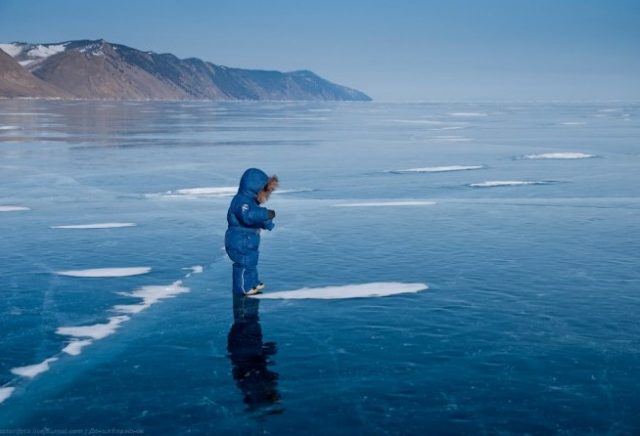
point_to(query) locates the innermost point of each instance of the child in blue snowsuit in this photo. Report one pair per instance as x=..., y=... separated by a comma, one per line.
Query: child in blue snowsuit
x=246, y=218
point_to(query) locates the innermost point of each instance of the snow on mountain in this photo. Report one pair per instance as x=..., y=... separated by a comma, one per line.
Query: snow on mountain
x=28, y=55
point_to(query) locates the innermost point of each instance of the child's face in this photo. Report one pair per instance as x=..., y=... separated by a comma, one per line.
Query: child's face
x=269, y=187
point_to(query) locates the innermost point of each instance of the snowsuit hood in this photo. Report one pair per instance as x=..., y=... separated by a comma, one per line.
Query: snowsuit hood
x=252, y=182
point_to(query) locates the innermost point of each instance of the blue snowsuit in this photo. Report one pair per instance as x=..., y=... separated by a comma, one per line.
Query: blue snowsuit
x=246, y=218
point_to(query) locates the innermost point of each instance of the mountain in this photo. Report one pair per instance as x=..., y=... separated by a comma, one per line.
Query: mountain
x=102, y=70
x=15, y=81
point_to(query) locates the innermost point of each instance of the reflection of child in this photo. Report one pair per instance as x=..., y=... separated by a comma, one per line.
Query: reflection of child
x=246, y=218
x=251, y=358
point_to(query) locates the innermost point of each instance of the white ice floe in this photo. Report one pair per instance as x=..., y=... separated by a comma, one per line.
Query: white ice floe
x=75, y=347
x=95, y=331
x=95, y=226
x=379, y=289
x=559, y=155
x=106, y=272
x=13, y=208
x=387, y=203
x=33, y=370
x=5, y=393
x=440, y=169
x=499, y=183
x=150, y=295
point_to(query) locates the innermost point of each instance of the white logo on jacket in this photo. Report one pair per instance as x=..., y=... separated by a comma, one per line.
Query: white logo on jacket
x=245, y=207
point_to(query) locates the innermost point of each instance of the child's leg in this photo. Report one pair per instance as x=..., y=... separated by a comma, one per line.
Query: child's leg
x=245, y=271
x=245, y=277
x=239, y=278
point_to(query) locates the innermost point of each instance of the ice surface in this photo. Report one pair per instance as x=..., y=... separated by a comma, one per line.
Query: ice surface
x=478, y=253
x=75, y=347
x=95, y=226
x=13, y=208
x=387, y=203
x=559, y=155
x=10, y=127
x=5, y=393
x=95, y=331
x=33, y=370
x=440, y=169
x=106, y=272
x=377, y=289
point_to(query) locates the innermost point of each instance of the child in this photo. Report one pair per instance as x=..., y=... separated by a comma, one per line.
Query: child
x=246, y=218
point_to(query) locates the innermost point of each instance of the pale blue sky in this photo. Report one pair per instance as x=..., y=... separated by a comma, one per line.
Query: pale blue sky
x=392, y=50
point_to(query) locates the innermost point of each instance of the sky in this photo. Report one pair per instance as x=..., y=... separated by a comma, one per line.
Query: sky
x=394, y=50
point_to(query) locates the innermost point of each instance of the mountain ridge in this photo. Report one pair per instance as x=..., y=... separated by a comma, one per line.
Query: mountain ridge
x=98, y=69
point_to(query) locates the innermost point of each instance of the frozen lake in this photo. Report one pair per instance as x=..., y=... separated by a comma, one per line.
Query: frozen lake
x=522, y=219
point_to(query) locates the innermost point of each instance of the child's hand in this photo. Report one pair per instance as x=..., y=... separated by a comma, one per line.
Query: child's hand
x=271, y=214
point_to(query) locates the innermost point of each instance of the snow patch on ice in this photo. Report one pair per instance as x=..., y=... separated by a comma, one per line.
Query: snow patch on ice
x=95, y=226
x=559, y=155
x=377, y=289
x=75, y=347
x=432, y=122
x=573, y=123
x=106, y=272
x=292, y=191
x=95, y=331
x=150, y=295
x=500, y=183
x=468, y=114
x=10, y=127
x=13, y=208
x=439, y=169
x=197, y=269
x=33, y=370
x=213, y=192
x=5, y=393
x=452, y=138
x=387, y=203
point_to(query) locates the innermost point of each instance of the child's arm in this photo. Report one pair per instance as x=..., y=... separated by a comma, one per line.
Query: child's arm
x=252, y=216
